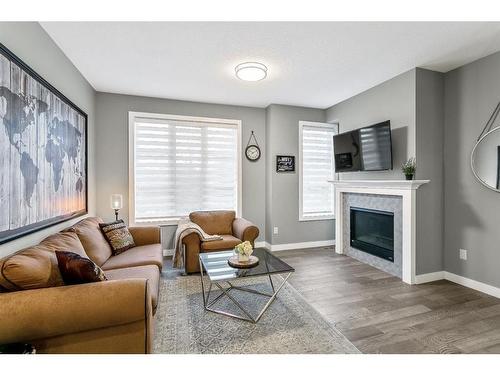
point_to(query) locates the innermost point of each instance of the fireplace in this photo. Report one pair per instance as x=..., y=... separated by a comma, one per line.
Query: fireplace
x=372, y=231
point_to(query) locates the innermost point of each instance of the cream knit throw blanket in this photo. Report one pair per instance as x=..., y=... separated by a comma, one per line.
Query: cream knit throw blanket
x=184, y=228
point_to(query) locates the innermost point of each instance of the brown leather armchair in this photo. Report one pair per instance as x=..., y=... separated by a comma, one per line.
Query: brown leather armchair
x=224, y=223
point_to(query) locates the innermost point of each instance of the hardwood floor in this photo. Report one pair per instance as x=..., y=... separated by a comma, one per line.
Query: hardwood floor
x=381, y=314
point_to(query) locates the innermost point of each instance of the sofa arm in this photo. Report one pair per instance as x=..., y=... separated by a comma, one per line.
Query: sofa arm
x=145, y=235
x=48, y=312
x=245, y=230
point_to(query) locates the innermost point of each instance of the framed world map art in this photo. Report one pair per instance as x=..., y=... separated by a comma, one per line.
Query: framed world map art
x=43, y=152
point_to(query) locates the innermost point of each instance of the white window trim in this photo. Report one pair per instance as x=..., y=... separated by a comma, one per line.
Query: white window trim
x=131, y=159
x=335, y=177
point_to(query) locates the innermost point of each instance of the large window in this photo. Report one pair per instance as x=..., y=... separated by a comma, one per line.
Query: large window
x=180, y=164
x=316, y=167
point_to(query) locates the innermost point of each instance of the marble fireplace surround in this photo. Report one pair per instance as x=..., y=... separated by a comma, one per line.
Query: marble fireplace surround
x=383, y=203
x=403, y=188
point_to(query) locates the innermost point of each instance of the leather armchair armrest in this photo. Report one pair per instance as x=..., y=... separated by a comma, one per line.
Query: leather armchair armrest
x=192, y=243
x=245, y=230
x=48, y=312
x=145, y=235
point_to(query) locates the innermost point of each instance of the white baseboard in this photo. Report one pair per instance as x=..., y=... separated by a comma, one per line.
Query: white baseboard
x=473, y=284
x=168, y=252
x=261, y=244
x=464, y=281
x=298, y=245
x=428, y=277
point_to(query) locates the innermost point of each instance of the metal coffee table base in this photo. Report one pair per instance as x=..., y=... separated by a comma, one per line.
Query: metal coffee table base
x=225, y=293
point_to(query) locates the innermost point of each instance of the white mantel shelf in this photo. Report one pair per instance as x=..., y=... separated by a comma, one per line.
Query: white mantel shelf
x=381, y=184
x=407, y=190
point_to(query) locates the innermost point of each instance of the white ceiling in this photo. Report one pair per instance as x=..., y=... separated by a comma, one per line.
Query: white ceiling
x=310, y=64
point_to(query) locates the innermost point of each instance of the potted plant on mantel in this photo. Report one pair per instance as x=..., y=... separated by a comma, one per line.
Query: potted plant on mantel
x=409, y=168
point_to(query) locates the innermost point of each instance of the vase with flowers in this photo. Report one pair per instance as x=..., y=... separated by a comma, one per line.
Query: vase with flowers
x=409, y=168
x=244, y=250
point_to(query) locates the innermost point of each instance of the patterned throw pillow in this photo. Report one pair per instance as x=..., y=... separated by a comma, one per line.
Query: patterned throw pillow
x=78, y=270
x=118, y=236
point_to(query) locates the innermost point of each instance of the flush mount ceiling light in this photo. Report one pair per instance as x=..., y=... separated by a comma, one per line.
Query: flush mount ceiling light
x=251, y=71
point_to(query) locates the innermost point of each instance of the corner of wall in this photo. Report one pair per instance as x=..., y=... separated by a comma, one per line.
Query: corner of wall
x=268, y=161
x=429, y=146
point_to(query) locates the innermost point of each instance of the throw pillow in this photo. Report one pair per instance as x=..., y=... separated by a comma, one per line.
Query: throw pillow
x=78, y=270
x=118, y=236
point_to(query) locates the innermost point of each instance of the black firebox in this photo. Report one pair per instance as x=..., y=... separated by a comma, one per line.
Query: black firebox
x=372, y=231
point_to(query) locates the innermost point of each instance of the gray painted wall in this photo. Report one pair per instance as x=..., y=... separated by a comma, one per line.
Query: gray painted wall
x=413, y=102
x=392, y=100
x=112, y=149
x=283, y=188
x=472, y=211
x=33, y=45
x=429, y=128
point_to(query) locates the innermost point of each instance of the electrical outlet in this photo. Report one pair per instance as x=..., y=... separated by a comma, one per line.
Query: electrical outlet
x=463, y=254
x=275, y=230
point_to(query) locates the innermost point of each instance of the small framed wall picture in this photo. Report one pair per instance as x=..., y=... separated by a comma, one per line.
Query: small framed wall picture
x=285, y=163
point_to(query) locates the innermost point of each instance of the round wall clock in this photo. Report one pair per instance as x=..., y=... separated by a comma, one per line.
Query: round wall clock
x=252, y=152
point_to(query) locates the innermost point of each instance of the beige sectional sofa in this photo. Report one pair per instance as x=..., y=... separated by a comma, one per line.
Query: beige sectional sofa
x=114, y=316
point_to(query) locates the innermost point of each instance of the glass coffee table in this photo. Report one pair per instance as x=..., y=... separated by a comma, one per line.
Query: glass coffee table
x=214, y=267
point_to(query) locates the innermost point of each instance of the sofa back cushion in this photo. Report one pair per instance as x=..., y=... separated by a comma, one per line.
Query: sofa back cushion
x=93, y=241
x=36, y=267
x=214, y=222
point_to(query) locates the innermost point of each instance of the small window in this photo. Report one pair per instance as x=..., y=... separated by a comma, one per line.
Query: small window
x=316, y=168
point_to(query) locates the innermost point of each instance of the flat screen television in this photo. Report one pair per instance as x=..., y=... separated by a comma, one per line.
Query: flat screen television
x=365, y=149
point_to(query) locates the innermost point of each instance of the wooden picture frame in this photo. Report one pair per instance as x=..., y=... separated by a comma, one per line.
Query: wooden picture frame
x=43, y=152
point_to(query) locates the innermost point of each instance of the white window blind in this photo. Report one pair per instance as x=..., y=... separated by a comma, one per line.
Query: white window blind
x=183, y=164
x=316, y=168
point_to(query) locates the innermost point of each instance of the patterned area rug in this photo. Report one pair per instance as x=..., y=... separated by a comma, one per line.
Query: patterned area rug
x=289, y=326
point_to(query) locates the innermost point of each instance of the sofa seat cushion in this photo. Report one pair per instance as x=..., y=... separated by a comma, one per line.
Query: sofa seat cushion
x=95, y=244
x=151, y=273
x=136, y=256
x=36, y=267
x=214, y=222
x=227, y=242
